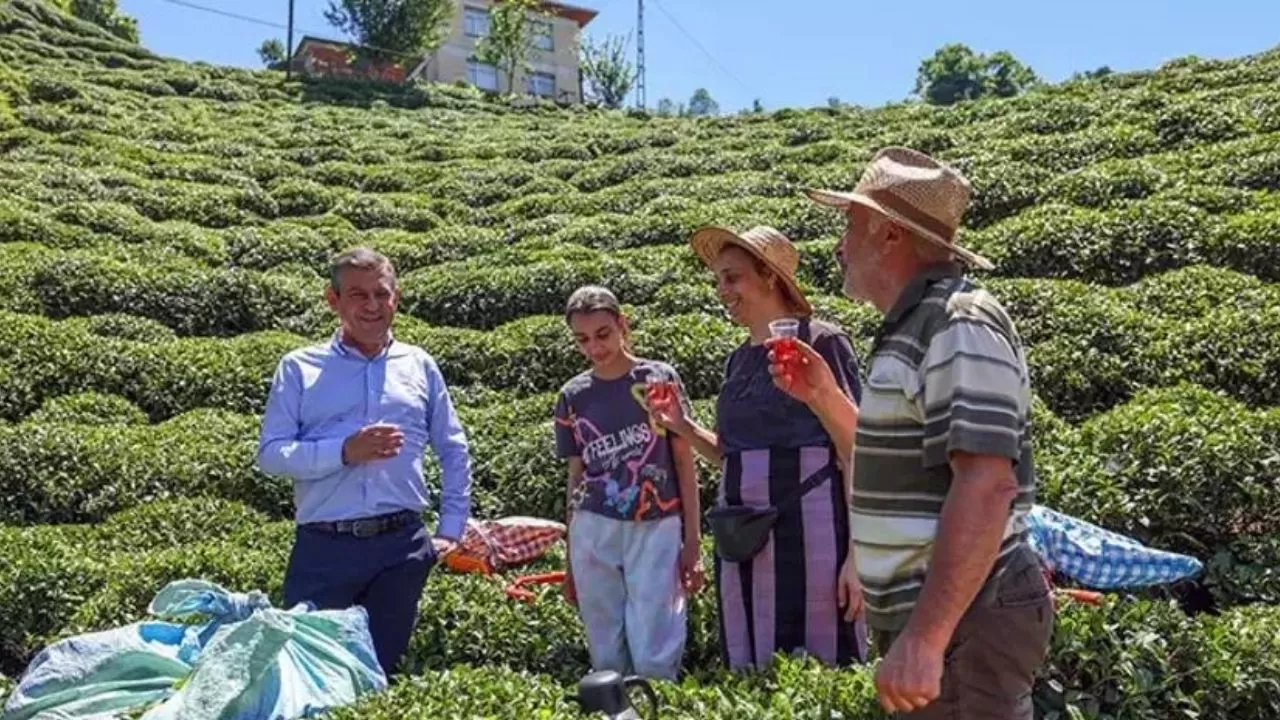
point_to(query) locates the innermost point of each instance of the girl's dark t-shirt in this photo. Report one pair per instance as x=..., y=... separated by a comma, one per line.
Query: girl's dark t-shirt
x=630, y=473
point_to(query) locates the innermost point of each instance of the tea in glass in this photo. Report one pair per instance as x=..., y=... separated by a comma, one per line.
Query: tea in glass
x=785, y=351
x=660, y=388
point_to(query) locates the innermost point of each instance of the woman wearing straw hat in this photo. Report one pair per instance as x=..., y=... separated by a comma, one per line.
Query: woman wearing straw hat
x=783, y=435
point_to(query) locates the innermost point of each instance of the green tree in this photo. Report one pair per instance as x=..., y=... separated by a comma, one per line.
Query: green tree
x=606, y=68
x=1005, y=76
x=105, y=14
x=392, y=29
x=956, y=73
x=272, y=52
x=702, y=104
x=510, y=42
x=1095, y=74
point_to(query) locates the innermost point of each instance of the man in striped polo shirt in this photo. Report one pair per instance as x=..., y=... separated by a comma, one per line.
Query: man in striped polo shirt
x=942, y=472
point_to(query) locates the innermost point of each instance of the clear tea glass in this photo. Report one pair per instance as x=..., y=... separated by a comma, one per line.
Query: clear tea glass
x=659, y=387
x=785, y=351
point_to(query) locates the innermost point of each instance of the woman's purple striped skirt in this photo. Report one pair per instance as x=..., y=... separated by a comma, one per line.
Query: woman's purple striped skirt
x=784, y=599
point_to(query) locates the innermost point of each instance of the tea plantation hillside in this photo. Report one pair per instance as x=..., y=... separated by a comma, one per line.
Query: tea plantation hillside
x=164, y=232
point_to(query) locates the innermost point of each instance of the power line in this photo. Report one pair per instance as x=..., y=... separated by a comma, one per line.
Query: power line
x=279, y=26
x=700, y=47
x=226, y=13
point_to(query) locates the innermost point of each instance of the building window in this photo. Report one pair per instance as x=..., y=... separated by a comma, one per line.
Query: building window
x=543, y=35
x=482, y=75
x=475, y=21
x=542, y=84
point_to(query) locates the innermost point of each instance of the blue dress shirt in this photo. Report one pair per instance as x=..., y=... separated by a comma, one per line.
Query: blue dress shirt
x=323, y=393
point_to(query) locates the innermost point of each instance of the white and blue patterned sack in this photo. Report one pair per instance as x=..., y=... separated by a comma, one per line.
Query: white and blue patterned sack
x=1100, y=559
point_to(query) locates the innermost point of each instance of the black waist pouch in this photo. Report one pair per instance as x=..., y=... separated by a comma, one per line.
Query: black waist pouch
x=741, y=531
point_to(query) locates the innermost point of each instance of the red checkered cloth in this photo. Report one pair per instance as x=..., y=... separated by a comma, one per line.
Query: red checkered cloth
x=490, y=546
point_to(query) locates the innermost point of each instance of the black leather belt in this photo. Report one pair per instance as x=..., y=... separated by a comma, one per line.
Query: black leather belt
x=367, y=527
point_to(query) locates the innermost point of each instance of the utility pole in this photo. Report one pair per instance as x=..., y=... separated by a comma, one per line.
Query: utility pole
x=640, y=99
x=288, y=53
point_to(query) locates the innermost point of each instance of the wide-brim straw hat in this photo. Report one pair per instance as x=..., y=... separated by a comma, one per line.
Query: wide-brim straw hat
x=915, y=190
x=766, y=244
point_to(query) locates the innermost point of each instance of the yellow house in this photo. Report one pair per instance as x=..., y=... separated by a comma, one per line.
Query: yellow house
x=554, y=59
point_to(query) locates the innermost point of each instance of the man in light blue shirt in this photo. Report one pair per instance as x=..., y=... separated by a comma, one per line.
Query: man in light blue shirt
x=348, y=421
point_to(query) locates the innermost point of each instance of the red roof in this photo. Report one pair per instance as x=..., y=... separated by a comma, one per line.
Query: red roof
x=331, y=57
x=579, y=15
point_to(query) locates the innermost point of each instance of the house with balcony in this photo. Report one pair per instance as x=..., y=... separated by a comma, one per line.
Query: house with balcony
x=554, y=72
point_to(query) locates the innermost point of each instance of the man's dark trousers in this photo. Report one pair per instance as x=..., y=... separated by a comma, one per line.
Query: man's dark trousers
x=385, y=573
x=1002, y=639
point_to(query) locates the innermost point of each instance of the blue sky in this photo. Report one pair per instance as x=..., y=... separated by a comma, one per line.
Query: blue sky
x=862, y=52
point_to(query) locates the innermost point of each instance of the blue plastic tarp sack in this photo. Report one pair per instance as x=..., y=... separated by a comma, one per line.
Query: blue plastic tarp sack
x=1101, y=559
x=209, y=654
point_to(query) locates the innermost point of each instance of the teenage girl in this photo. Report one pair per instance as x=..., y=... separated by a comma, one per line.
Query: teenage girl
x=632, y=498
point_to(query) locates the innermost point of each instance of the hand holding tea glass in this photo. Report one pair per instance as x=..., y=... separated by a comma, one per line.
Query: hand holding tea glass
x=797, y=368
x=664, y=401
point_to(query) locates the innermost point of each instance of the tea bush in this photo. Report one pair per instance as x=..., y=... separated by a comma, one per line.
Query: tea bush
x=89, y=408
x=1246, y=571
x=190, y=300
x=465, y=691
x=795, y=688
x=132, y=579
x=1248, y=242
x=1180, y=468
x=1138, y=239
x=1125, y=659
x=1090, y=350
x=58, y=473
x=46, y=573
x=1107, y=470
x=1150, y=660
x=177, y=522
x=64, y=467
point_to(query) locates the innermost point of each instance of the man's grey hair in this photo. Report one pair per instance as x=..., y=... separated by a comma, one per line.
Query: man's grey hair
x=360, y=258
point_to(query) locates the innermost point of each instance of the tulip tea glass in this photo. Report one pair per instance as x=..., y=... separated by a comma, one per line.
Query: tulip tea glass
x=660, y=388
x=785, y=351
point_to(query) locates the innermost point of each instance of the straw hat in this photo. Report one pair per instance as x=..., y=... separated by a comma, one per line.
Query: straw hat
x=766, y=244
x=915, y=190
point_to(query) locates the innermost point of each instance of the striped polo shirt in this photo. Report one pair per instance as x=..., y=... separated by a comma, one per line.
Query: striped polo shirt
x=947, y=373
